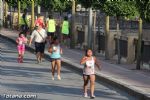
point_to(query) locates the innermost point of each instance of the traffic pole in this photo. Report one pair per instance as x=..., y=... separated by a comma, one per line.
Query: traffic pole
x=90, y=36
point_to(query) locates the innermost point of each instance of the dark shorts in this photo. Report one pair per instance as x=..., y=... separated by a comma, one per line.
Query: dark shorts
x=39, y=47
x=51, y=34
x=54, y=59
x=65, y=36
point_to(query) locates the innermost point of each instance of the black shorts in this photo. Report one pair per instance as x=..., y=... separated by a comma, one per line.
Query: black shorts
x=51, y=34
x=65, y=35
x=39, y=47
x=53, y=59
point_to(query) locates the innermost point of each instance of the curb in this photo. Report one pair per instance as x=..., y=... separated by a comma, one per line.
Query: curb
x=106, y=80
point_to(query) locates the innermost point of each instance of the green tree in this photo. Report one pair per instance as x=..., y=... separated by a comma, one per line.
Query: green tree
x=144, y=9
x=56, y=5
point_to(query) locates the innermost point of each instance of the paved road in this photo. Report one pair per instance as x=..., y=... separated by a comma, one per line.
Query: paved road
x=33, y=79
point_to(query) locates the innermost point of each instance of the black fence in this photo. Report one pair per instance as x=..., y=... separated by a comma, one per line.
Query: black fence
x=145, y=51
x=101, y=42
x=81, y=36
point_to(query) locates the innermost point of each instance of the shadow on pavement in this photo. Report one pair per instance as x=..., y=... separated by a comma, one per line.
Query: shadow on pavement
x=58, y=90
x=25, y=71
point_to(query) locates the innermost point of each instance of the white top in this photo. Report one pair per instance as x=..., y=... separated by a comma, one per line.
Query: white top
x=37, y=37
x=89, y=67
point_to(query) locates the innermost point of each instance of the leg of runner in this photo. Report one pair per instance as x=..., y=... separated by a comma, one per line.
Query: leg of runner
x=92, y=85
x=38, y=57
x=58, y=62
x=86, y=80
x=53, y=64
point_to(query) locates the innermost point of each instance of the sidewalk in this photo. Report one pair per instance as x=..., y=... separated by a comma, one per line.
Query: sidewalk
x=132, y=81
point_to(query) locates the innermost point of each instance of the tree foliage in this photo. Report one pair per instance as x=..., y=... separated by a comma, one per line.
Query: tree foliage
x=118, y=7
x=24, y=3
x=87, y=3
x=56, y=5
x=144, y=9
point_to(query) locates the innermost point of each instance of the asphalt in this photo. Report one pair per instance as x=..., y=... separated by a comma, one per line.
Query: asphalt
x=31, y=79
x=134, y=83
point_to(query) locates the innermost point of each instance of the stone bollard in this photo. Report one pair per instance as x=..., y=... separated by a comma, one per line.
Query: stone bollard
x=130, y=50
x=111, y=43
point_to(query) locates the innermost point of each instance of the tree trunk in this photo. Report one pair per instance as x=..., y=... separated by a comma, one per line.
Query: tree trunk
x=107, y=38
x=139, y=45
x=32, y=15
x=11, y=17
x=5, y=15
x=1, y=13
x=118, y=42
x=18, y=14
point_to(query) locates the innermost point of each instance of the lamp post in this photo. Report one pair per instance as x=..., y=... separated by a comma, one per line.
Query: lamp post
x=90, y=36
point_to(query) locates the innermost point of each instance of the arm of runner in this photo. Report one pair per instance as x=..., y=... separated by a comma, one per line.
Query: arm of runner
x=83, y=60
x=50, y=49
x=17, y=40
x=31, y=38
x=97, y=63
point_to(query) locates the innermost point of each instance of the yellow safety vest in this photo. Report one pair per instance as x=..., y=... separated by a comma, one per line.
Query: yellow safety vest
x=65, y=27
x=51, y=25
x=22, y=21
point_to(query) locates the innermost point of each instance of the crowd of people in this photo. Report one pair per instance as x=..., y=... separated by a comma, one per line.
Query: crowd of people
x=46, y=34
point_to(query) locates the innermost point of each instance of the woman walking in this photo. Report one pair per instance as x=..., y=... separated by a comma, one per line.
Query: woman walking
x=55, y=55
x=39, y=35
x=89, y=62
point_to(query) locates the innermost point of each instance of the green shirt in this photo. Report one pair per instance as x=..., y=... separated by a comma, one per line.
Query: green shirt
x=51, y=25
x=65, y=27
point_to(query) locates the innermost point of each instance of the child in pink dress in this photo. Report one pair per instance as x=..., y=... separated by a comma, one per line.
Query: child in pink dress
x=21, y=40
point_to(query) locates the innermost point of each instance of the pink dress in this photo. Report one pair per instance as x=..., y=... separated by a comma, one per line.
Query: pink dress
x=89, y=68
x=21, y=44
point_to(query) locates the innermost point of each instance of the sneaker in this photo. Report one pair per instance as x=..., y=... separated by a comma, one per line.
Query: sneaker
x=85, y=95
x=52, y=77
x=92, y=97
x=59, y=78
x=19, y=60
x=38, y=60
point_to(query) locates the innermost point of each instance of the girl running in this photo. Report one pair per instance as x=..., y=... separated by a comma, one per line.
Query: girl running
x=55, y=55
x=21, y=40
x=89, y=62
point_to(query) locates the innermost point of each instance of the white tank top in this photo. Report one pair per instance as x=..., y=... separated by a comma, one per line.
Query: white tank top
x=89, y=67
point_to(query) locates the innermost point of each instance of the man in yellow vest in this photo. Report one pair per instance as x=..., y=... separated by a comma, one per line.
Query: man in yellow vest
x=24, y=22
x=51, y=28
x=65, y=29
